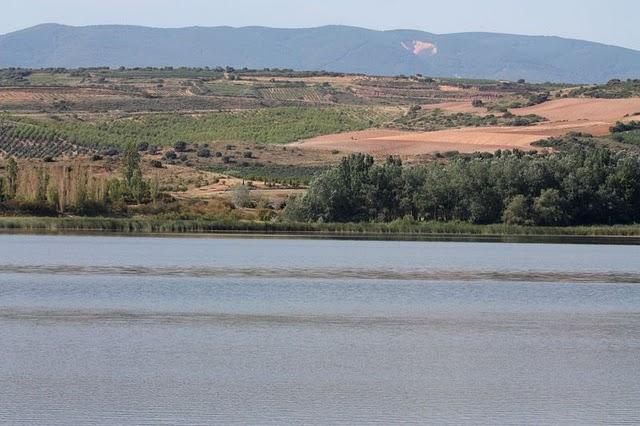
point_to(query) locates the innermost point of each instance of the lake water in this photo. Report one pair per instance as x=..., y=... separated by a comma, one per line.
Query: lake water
x=124, y=330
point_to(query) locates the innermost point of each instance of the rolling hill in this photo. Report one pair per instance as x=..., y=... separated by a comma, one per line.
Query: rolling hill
x=330, y=48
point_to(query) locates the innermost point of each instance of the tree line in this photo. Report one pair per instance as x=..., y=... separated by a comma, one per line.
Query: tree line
x=578, y=187
x=74, y=188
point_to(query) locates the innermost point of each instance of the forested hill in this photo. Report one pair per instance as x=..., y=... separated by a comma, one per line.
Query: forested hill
x=330, y=48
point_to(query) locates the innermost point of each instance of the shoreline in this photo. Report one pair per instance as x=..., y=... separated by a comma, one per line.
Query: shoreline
x=396, y=231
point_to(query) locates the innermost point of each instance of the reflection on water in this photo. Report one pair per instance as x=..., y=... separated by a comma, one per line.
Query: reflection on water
x=154, y=331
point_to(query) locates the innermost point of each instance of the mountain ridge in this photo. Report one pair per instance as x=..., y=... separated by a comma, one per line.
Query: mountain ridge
x=330, y=48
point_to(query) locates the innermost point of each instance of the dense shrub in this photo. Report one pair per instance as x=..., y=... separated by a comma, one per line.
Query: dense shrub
x=204, y=153
x=241, y=197
x=614, y=89
x=111, y=152
x=620, y=127
x=180, y=146
x=438, y=119
x=27, y=208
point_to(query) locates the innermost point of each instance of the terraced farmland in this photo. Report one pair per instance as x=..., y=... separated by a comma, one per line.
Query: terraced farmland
x=224, y=88
x=162, y=91
x=15, y=95
x=306, y=94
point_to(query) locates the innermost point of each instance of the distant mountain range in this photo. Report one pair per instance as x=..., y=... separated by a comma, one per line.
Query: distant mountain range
x=330, y=48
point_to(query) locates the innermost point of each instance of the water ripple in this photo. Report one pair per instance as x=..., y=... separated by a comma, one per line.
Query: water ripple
x=536, y=276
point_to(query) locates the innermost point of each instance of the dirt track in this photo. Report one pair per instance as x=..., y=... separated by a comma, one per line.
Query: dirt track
x=593, y=116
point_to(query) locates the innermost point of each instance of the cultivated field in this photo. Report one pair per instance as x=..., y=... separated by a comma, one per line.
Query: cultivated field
x=407, y=144
x=584, y=109
x=11, y=96
x=207, y=135
x=584, y=115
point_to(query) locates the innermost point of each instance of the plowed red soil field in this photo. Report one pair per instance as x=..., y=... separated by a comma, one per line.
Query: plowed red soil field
x=585, y=115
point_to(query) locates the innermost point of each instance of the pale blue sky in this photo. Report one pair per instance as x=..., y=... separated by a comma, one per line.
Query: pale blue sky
x=607, y=21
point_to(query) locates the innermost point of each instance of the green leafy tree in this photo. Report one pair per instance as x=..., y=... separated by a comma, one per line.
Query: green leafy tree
x=138, y=188
x=549, y=209
x=578, y=187
x=386, y=187
x=130, y=163
x=518, y=211
x=12, y=179
x=116, y=193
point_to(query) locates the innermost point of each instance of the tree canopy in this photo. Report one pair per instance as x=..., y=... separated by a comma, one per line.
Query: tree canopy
x=580, y=187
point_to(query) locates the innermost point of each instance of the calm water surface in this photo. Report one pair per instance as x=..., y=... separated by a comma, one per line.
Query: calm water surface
x=110, y=330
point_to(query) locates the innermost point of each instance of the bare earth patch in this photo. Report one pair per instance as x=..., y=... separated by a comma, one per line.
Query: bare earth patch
x=221, y=186
x=584, y=115
x=393, y=142
x=574, y=109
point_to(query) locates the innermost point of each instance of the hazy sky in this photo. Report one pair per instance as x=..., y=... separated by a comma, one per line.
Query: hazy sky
x=607, y=21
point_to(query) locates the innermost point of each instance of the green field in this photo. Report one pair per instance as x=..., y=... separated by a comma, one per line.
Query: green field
x=268, y=126
x=275, y=173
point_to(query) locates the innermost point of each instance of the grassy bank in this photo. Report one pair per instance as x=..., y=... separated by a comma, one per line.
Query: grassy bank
x=397, y=228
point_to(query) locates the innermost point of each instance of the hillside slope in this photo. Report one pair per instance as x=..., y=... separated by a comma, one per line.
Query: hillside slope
x=331, y=48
